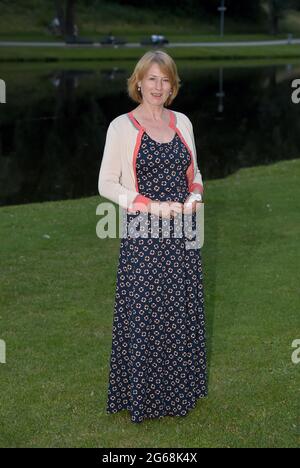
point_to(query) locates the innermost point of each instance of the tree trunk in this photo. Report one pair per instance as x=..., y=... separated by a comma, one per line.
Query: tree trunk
x=60, y=15
x=276, y=8
x=70, y=17
x=274, y=24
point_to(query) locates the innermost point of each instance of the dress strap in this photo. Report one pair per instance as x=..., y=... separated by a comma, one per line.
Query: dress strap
x=135, y=122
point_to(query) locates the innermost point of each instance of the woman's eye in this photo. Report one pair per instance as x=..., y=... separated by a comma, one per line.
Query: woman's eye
x=166, y=79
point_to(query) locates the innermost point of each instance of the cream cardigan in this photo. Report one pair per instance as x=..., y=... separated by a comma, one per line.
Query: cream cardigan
x=117, y=176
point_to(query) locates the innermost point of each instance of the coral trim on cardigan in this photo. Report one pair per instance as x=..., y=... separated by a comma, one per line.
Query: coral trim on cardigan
x=141, y=201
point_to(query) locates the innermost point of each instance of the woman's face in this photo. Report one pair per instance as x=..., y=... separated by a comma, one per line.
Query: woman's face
x=155, y=86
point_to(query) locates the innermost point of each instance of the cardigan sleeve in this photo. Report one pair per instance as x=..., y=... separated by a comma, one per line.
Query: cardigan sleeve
x=197, y=182
x=109, y=185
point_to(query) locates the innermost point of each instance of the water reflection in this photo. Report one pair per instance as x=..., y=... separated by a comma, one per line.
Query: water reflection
x=53, y=126
x=220, y=94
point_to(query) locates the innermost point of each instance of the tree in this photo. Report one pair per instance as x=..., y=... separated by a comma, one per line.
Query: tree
x=295, y=4
x=235, y=8
x=65, y=12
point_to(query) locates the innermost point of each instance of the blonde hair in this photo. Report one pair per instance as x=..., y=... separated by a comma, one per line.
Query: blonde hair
x=166, y=64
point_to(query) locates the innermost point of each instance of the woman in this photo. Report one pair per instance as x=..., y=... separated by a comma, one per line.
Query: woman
x=149, y=168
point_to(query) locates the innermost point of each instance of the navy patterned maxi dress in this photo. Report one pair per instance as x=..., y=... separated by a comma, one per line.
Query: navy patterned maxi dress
x=158, y=356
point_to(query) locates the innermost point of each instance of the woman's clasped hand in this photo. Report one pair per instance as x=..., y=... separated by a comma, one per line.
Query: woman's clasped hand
x=167, y=209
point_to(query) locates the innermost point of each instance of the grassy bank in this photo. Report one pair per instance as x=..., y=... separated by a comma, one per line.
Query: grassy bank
x=133, y=36
x=57, y=295
x=71, y=53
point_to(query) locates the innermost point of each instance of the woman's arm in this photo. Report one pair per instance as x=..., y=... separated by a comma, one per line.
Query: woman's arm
x=110, y=172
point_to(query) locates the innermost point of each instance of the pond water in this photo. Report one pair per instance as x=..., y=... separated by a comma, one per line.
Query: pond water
x=54, y=122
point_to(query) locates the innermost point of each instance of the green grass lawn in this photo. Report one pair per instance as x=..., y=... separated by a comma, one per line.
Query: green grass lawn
x=57, y=296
